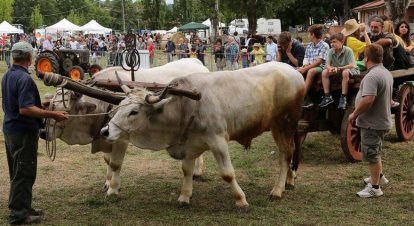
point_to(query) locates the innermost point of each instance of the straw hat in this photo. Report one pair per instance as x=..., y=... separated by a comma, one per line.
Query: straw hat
x=350, y=27
x=257, y=45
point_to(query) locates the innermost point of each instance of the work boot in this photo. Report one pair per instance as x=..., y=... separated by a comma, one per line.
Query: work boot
x=29, y=220
x=36, y=212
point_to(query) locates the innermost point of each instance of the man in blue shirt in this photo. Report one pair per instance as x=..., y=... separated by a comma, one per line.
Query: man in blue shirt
x=22, y=121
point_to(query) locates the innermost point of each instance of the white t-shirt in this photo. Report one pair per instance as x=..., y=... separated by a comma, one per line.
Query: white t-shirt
x=48, y=45
x=74, y=44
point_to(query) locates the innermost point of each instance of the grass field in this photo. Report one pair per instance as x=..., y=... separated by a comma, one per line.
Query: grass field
x=69, y=189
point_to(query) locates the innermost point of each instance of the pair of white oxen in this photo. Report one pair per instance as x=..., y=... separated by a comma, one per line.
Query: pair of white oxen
x=234, y=105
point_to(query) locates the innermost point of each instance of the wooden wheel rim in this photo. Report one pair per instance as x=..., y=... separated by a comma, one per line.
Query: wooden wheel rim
x=44, y=65
x=75, y=74
x=407, y=113
x=353, y=139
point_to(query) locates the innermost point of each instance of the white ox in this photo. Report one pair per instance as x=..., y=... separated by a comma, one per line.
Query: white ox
x=235, y=105
x=85, y=130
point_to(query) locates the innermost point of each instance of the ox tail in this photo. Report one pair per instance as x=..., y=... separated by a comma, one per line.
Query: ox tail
x=297, y=152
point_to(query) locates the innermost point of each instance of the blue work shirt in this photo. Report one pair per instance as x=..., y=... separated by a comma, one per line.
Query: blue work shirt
x=19, y=91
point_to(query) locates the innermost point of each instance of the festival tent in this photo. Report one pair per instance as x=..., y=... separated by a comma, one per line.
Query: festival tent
x=173, y=30
x=193, y=26
x=94, y=27
x=208, y=23
x=63, y=25
x=6, y=28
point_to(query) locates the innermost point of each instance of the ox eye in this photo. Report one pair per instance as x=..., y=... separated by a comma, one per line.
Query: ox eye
x=133, y=113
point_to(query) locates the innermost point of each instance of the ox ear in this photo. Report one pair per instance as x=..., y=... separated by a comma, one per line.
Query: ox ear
x=86, y=108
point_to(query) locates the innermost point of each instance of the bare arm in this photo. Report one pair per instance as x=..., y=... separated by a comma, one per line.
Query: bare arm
x=307, y=67
x=290, y=55
x=384, y=42
x=37, y=112
x=362, y=107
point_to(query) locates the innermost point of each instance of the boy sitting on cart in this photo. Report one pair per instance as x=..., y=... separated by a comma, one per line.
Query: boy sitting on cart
x=339, y=61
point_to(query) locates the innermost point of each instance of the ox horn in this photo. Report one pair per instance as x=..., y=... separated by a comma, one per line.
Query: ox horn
x=124, y=87
x=51, y=79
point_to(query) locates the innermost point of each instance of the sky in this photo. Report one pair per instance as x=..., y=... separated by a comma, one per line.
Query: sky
x=169, y=1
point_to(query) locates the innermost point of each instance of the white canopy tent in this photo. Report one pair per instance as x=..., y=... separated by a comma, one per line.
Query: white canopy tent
x=208, y=23
x=63, y=25
x=6, y=28
x=173, y=30
x=94, y=27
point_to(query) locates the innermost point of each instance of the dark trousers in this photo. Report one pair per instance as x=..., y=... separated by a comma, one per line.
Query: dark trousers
x=21, y=151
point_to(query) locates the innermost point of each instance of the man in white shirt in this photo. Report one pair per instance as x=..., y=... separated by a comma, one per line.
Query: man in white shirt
x=73, y=43
x=271, y=49
x=48, y=44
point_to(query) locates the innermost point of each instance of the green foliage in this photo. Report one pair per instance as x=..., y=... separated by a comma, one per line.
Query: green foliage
x=36, y=19
x=6, y=9
x=74, y=17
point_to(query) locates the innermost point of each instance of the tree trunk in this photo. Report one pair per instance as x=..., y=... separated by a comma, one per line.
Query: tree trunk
x=397, y=9
x=346, y=13
x=252, y=17
x=214, y=22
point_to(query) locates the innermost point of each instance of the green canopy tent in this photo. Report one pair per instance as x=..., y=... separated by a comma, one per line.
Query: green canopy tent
x=194, y=27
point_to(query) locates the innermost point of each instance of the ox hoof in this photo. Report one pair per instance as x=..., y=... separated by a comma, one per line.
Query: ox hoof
x=197, y=178
x=244, y=209
x=183, y=205
x=274, y=198
x=105, y=188
x=289, y=187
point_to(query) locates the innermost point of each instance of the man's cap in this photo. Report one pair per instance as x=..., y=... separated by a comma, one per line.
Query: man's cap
x=22, y=47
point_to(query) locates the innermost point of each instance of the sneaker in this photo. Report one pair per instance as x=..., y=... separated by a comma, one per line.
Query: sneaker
x=307, y=103
x=369, y=192
x=326, y=100
x=394, y=104
x=342, y=103
x=382, y=181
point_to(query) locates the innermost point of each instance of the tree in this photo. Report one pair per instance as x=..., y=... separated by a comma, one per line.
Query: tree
x=6, y=10
x=36, y=19
x=131, y=14
x=397, y=9
x=74, y=17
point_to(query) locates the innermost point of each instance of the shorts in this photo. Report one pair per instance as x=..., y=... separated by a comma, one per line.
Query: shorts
x=371, y=144
x=318, y=69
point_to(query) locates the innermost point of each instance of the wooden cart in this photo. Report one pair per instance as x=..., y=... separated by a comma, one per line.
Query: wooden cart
x=336, y=121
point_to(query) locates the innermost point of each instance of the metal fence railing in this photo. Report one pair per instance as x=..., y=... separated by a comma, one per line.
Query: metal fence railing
x=213, y=61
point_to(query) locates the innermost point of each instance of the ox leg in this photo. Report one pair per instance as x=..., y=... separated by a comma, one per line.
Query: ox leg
x=226, y=170
x=187, y=188
x=285, y=144
x=117, y=158
x=108, y=178
x=198, y=169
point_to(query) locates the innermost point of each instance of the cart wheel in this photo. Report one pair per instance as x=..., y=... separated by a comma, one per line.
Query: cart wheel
x=76, y=73
x=93, y=69
x=350, y=138
x=47, y=62
x=404, y=116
